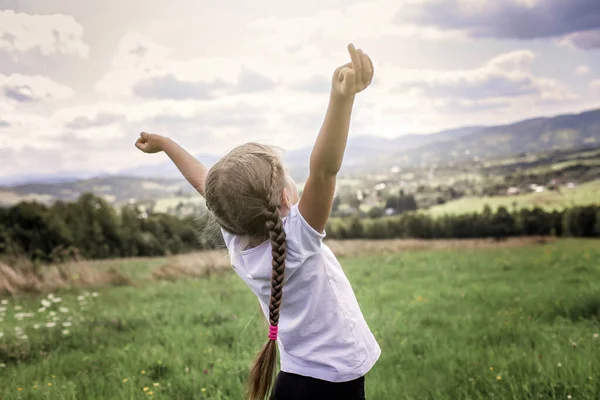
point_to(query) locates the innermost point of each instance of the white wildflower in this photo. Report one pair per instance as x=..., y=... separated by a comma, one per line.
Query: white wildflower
x=1, y=334
x=4, y=302
x=80, y=298
x=596, y=336
x=95, y=294
x=2, y=365
x=36, y=326
x=63, y=310
x=66, y=324
x=55, y=318
x=41, y=309
x=52, y=313
x=18, y=329
x=2, y=309
x=46, y=303
x=18, y=308
x=56, y=300
x=50, y=295
x=559, y=365
x=23, y=337
x=87, y=294
x=65, y=332
x=51, y=324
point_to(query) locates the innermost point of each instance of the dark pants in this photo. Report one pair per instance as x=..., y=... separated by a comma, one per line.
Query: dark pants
x=296, y=387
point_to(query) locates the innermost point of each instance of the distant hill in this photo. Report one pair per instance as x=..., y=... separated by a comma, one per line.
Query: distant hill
x=364, y=154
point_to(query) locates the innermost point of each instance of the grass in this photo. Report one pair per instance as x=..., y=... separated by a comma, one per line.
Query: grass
x=584, y=194
x=504, y=323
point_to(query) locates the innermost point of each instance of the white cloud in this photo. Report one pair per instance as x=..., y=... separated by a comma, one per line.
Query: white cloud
x=582, y=70
x=23, y=89
x=504, y=76
x=49, y=34
x=366, y=19
x=595, y=85
x=146, y=69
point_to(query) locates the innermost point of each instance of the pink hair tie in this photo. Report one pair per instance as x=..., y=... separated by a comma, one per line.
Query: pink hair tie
x=273, y=329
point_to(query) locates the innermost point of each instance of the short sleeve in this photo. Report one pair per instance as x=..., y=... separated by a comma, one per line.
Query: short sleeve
x=301, y=238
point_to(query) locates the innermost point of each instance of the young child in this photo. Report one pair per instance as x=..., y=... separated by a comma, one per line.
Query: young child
x=275, y=242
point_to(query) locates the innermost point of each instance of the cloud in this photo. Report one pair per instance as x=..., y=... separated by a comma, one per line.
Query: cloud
x=4, y=124
x=169, y=87
x=317, y=84
x=588, y=40
x=595, y=85
x=99, y=120
x=252, y=82
x=146, y=69
x=505, y=76
x=582, y=70
x=25, y=89
x=507, y=19
x=360, y=20
x=50, y=34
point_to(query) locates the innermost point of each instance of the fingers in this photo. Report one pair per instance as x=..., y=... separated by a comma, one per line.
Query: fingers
x=367, y=69
x=356, y=61
x=144, y=136
x=341, y=72
x=140, y=144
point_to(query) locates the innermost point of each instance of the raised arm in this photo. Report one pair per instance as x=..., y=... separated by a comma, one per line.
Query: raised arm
x=188, y=165
x=328, y=153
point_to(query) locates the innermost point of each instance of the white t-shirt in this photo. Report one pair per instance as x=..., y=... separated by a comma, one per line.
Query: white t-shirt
x=322, y=332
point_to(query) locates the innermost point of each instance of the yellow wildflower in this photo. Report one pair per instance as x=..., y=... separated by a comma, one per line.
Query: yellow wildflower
x=156, y=384
x=49, y=383
x=498, y=378
x=19, y=389
x=491, y=368
x=125, y=380
x=143, y=372
x=203, y=389
x=150, y=393
x=146, y=389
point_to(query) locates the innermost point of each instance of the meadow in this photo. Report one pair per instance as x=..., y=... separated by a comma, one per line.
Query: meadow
x=582, y=195
x=519, y=320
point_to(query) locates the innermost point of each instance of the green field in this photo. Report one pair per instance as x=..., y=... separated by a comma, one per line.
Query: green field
x=518, y=323
x=584, y=194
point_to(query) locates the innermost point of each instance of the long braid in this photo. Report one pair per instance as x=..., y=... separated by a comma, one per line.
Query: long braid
x=278, y=251
x=262, y=373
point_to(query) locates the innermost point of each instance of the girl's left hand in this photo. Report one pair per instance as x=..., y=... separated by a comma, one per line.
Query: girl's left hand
x=355, y=76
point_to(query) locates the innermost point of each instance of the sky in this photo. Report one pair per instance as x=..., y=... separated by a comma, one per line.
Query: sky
x=79, y=80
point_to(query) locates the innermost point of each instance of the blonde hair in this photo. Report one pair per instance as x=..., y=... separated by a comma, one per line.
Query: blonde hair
x=244, y=192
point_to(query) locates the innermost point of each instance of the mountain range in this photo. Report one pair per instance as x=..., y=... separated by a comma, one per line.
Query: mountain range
x=364, y=154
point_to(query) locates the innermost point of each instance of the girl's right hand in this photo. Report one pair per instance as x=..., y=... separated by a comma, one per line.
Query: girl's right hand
x=150, y=142
x=355, y=76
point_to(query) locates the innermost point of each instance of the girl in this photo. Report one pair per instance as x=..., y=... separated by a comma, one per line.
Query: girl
x=275, y=242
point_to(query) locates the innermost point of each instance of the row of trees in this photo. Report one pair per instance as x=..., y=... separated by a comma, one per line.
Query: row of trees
x=577, y=221
x=91, y=228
